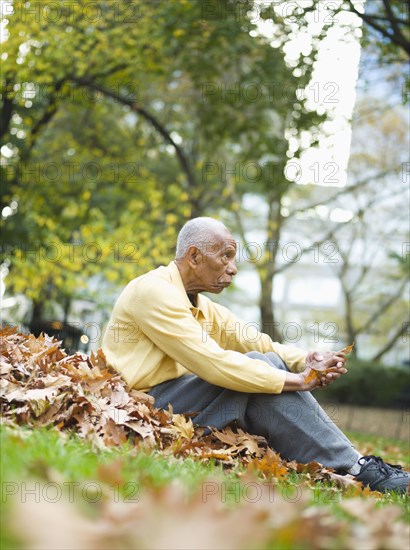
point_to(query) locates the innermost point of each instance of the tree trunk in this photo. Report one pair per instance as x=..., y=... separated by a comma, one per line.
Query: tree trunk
x=351, y=333
x=37, y=311
x=266, y=307
x=268, y=269
x=66, y=308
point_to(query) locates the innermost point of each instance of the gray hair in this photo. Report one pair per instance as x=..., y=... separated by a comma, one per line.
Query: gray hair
x=198, y=232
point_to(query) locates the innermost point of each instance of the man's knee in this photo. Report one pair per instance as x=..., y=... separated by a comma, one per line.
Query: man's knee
x=270, y=357
x=257, y=355
x=276, y=360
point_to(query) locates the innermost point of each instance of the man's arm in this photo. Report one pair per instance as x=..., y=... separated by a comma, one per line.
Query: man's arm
x=168, y=323
x=238, y=335
x=244, y=337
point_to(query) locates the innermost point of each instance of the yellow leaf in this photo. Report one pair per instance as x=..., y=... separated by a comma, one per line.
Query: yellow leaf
x=347, y=350
x=184, y=427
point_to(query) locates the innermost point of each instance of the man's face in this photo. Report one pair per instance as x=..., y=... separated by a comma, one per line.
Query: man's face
x=216, y=266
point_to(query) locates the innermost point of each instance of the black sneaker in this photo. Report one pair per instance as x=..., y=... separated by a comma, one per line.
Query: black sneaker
x=381, y=476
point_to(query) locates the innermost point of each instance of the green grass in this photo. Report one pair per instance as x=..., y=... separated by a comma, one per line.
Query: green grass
x=391, y=450
x=40, y=454
x=30, y=456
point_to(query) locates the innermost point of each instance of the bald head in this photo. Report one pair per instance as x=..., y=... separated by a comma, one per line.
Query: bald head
x=199, y=232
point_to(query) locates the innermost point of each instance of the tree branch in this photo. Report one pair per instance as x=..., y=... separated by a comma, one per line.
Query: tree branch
x=48, y=114
x=392, y=19
x=387, y=347
x=388, y=303
x=160, y=128
x=7, y=109
x=328, y=235
x=344, y=190
x=397, y=40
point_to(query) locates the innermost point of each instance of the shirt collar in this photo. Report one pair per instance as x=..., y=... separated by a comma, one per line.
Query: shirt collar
x=177, y=281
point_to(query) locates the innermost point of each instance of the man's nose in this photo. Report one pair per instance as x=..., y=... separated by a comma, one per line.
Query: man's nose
x=232, y=269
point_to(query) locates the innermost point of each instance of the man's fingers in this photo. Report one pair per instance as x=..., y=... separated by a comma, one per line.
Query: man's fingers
x=335, y=361
x=332, y=376
x=337, y=368
x=336, y=371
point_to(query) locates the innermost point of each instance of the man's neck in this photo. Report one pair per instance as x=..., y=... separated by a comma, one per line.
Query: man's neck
x=190, y=285
x=192, y=298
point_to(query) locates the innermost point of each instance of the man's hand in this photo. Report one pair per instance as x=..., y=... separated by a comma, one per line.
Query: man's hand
x=328, y=366
x=322, y=360
x=331, y=363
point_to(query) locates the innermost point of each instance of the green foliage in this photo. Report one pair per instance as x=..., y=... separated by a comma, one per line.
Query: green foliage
x=109, y=117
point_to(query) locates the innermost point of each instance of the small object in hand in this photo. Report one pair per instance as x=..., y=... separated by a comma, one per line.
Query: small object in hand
x=318, y=369
x=345, y=351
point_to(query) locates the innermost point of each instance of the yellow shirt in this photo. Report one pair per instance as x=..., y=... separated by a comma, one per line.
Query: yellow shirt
x=155, y=334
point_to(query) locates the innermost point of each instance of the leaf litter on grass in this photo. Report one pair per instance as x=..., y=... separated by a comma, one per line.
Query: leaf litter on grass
x=41, y=386
x=166, y=518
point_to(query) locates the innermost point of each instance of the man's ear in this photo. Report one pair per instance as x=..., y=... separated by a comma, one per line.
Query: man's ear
x=193, y=256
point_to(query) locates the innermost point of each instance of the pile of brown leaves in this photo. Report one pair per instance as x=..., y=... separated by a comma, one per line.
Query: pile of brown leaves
x=43, y=386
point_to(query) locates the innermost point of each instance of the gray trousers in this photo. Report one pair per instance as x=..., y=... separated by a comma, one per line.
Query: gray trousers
x=293, y=422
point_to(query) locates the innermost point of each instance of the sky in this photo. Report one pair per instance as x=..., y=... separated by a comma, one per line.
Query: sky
x=332, y=90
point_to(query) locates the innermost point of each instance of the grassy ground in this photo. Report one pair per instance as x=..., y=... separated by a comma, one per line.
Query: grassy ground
x=60, y=492
x=41, y=466
x=390, y=449
x=389, y=423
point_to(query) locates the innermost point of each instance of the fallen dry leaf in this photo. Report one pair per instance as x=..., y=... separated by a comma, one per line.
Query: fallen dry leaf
x=318, y=368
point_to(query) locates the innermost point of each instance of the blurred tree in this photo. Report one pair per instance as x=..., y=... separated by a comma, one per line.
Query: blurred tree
x=304, y=200
x=371, y=250
x=88, y=206
x=385, y=37
x=79, y=197
x=386, y=25
x=117, y=121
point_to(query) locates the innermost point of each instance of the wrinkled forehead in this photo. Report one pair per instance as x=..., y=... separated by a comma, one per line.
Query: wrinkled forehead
x=220, y=242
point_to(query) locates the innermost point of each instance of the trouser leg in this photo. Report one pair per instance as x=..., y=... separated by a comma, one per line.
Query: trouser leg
x=209, y=405
x=293, y=422
x=274, y=360
x=296, y=426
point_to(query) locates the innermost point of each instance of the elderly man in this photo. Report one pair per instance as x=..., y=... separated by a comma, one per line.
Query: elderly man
x=168, y=339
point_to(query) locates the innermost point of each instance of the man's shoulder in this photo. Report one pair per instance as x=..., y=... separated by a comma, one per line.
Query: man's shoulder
x=211, y=307
x=151, y=279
